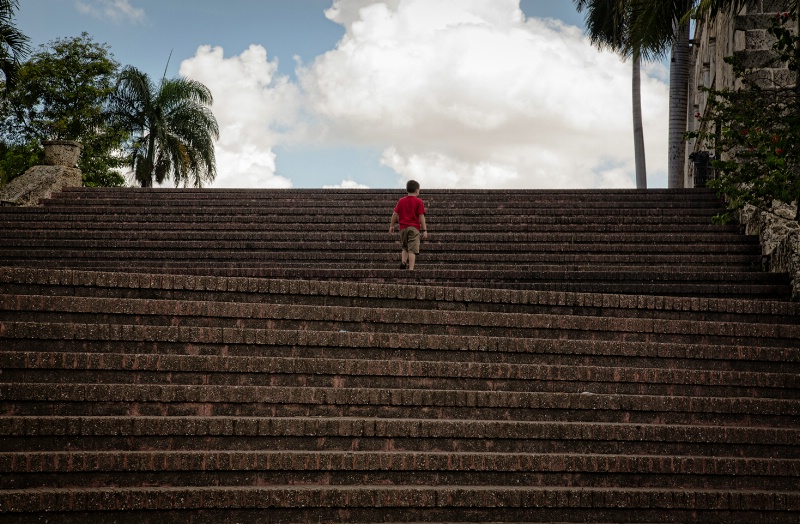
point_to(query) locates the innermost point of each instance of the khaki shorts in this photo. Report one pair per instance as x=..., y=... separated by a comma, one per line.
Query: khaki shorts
x=409, y=238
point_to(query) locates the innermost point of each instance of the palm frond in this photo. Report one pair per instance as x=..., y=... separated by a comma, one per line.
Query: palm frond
x=655, y=21
x=14, y=45
x=607, y=23
x=179, y=125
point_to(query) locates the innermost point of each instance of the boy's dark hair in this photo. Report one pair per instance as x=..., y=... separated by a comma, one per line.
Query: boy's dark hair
x=412, y=186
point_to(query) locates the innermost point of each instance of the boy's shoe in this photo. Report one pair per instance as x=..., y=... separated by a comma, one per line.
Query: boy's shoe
x=403, y=265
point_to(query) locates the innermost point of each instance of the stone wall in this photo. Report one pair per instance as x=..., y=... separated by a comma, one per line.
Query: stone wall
x=714, y=39
x=780, y=240
x=744, y=34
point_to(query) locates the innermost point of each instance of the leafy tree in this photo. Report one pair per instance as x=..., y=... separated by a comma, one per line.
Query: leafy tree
x=61, y=93
x=16, y=159
x=755, y=132
x=13, y=44
x=607, y=23
x=171, y=126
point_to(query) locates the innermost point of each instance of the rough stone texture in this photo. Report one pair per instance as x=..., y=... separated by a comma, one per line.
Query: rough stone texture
x=62, y=152
x=780, y=240
x=208, y=394
x=745, y=35
x=658, y=242
x=38, y=183
x=742, y=34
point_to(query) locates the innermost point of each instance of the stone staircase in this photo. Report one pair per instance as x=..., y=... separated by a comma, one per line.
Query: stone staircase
x=256, y=356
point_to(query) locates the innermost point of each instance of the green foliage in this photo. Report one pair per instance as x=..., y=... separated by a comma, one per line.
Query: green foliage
x=62, y=90
x=171, y=126
x=16, y=159
x=61, y=93
x=755, y=132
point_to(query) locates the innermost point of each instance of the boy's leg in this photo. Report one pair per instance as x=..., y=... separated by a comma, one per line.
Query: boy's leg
x=404, y=248
x=412, y=246
x=409, y=238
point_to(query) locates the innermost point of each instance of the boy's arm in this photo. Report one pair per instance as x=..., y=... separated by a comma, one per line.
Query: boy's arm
x=392, y=222
x=424, y=226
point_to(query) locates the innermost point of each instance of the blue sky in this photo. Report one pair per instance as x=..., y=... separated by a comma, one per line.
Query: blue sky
x=365, y=93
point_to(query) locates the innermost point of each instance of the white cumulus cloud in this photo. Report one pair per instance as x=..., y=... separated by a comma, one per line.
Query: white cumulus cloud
x=470, y=93
x=453, y=93
x=251, y=103
x=114, y=10
x=346, y=184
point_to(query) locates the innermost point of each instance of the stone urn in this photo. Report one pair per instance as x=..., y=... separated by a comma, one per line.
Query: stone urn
x=62, y=152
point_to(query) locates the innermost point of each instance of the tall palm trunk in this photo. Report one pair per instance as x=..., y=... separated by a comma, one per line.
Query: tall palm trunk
x=678, y=104
x=638, y=126
x=146, y=164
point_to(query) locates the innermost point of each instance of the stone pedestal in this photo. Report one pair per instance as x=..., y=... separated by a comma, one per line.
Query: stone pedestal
x=62, y=152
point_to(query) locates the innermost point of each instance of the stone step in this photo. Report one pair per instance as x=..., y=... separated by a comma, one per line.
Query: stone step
x=243, y=251
x=217, y=315
x=531, y=195
x=473, y=265
x=500, y=241
x=100, y=221
x=270, y=401
x=327, y=205
x=187, y=433
x=29, y=470
x=431, y=260
x=315, y=380
x=733, y=285
x=372, y=203
x=516, y=271
x=117, y=368
x=537, y=262
x=729, y=261
x=322, y=239
x=232, y=289
x=375, y=214
x=164, y=341
x=370, y=503
x=174, y=231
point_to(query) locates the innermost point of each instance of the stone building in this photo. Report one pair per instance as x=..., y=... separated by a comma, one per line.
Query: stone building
x=743, y=34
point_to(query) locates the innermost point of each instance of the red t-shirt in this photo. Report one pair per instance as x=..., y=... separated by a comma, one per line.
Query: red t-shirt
x=408, y=210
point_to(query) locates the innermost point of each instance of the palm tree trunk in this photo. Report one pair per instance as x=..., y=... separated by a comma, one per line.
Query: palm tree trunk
x=147, y=178
x=678, y=104
x=638, y=126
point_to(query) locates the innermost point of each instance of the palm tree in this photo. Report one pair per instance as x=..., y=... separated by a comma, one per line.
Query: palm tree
x=607, y=23
x=172, y=127
x=13, y=44
x=662, y=27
